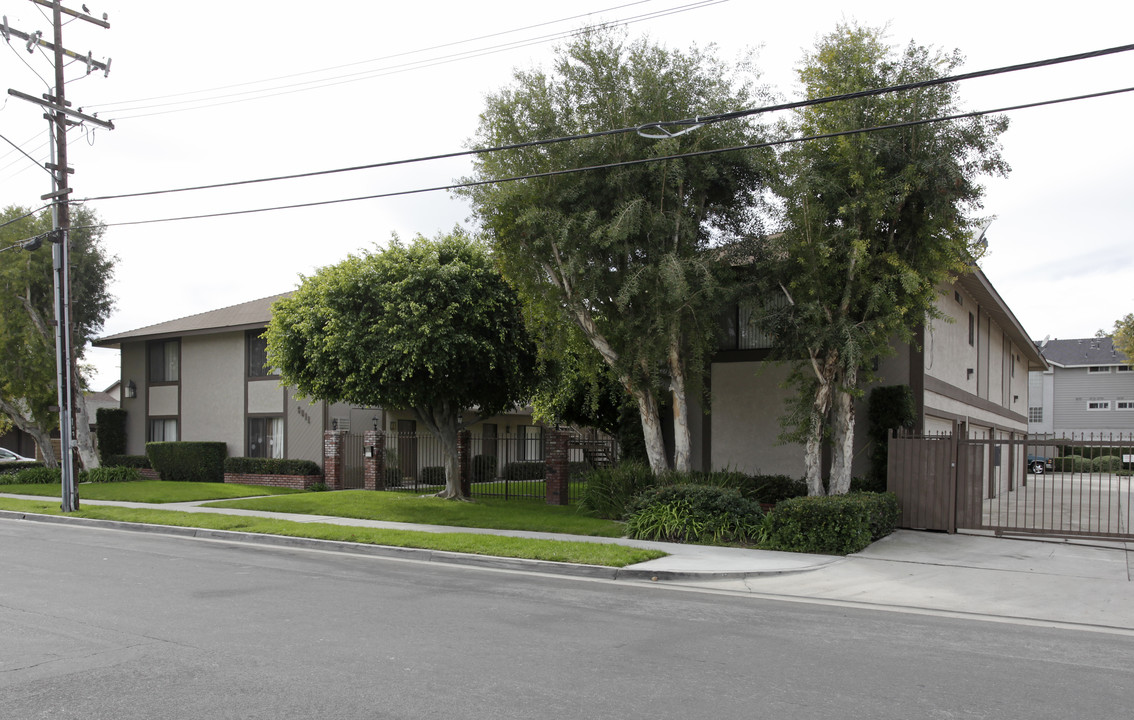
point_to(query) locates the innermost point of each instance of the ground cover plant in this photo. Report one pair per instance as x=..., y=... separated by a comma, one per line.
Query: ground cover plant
x=587, y=553
x=402, y=507
x=702, y=514
x=150, y=491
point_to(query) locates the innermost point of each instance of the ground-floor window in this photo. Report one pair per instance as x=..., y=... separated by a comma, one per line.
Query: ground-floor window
x=266, y=437
x=162, y=430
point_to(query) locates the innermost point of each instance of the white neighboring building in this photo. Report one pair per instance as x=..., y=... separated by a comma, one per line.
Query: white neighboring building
x=1088, y=389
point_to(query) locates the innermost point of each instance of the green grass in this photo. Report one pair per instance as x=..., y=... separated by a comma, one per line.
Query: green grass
x=400, y=507
x=152, y=491
x=603, y=554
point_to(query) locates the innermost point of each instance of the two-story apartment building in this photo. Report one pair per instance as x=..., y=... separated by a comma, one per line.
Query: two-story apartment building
x=970, y=364
x=1088, y=389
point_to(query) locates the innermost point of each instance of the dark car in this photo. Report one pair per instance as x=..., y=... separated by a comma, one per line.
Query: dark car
x=1038, y=465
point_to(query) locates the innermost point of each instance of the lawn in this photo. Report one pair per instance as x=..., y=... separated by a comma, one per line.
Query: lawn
x=603, y=554
x=151, y=491
x=401, y=507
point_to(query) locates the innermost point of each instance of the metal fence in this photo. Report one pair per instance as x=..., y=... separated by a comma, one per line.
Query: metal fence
x=1077, y=485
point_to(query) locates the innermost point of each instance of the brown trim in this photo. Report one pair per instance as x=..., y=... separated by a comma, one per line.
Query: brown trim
x=968, y=421
x=953, y=392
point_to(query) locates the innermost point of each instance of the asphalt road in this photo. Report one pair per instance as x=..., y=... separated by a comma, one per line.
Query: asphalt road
x=106, y=624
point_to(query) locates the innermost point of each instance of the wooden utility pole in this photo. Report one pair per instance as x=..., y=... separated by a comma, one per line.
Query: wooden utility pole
x=58, y=117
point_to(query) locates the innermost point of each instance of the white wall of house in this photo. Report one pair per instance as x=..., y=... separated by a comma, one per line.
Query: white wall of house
x=134, y=370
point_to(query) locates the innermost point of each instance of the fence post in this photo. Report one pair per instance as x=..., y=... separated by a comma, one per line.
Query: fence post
x=334, y=444
x=374, y=460
x=464, y=441
x=557, y=473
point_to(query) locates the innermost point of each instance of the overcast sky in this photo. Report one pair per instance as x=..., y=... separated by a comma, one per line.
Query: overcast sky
x=406, y=83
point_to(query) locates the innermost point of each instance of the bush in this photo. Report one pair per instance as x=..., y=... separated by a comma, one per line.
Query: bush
x=772, y=489
x=132, y=461
x=433, y=475
x=11, y=468
x=483, y=468
x=527, y=470
x=188, y=461
x=705, y=514
x=1071, y=463
x=610, y=490
x=1106, y=463
x=111, y=432
x=33, y=476
x=393, y=476
x=836, y=524
x=270, y=466
x=110, y=474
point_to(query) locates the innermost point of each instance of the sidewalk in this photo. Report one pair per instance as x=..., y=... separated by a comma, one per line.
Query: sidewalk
x=1081, y=583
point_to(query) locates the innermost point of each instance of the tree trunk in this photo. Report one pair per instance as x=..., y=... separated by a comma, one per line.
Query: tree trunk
x=820, y=407
x=651, y=430
x=682, y=438
x=841, y=466
x=444, y=423
x=42, y=439
x=84, y=443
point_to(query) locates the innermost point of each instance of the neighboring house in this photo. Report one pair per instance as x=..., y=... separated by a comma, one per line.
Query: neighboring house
x=970, y=365
x=1087, y=390
x=204, y=377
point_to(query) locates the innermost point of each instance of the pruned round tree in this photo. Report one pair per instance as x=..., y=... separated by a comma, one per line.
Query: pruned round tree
x=429, y=327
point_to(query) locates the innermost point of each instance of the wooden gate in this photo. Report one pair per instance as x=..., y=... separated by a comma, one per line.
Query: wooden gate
x=921, y=471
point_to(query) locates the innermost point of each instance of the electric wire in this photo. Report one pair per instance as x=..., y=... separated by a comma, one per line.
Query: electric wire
x=21, y=150
x=625, y=163
x=616, y=131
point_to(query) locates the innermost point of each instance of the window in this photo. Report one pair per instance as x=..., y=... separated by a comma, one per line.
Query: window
x=1035, y=414
x=265, y=437
x=162, y=430
x=1098, y=405
x=1124, y=368
x=529, y=442
x=258, y=355
x=1098, y=369
x=1125, y=405
x=165, y=361
x=972, y=329
x=957, y=297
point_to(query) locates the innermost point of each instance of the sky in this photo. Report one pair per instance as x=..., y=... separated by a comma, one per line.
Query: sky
x=211, y=91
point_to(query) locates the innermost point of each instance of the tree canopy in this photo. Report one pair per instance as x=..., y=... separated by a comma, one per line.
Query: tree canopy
x=27, y=361
x=430, y=327
x=623, y=252
x=1124, y=336
x=873, y=224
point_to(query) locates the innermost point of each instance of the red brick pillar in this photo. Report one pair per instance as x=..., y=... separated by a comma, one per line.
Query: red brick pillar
x=557, y=472
x=374, y=460
x=334, y=445
x=464, y=443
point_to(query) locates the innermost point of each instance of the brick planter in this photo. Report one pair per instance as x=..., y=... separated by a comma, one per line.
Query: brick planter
x=299, y=482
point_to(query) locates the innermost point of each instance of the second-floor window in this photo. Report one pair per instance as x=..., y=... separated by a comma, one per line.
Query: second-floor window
x=165, y=361
x=258, y=355
x=1035, y=414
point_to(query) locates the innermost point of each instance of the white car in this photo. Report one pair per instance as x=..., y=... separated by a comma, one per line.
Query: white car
x=9, y=456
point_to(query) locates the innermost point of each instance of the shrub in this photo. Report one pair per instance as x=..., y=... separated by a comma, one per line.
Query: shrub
x=110, y=474
x=111, y=432
x=1071, y=463
x=704, y=514
x=874, y=485
x=836, y=524
x=483, y=468
x=188, y=461
x=133, y=461
x=11, y=468
x=33, y=476
x=393, y=476
x=772, y=489
x=433, y=475
x=610, y=490
x=1106, y=463
x=889, y=407
x=270, y=466
x=525, y=470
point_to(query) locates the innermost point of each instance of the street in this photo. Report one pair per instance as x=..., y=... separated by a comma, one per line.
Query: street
x=99, y=623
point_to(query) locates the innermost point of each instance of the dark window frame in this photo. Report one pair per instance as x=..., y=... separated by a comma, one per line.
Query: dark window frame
x=156, y=368
x=256, y=347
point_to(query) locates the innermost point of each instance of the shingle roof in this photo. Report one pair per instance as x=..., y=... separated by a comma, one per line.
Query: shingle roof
x=245, y=316
x=1082, y=352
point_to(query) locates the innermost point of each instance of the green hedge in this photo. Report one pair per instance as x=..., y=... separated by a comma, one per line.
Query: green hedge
x=433, y=475
x=184, y=461
x=270, y=466
x=111, y=432
x=705, y=514
x=1106, y=463
x=483, y=468
x=836, y=524
x=11, y=468
x=1071, y=463
x=35, y=475
x=527, y=470
x=130, y=461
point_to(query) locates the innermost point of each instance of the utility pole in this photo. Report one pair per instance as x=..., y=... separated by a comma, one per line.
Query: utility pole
x=58, y=117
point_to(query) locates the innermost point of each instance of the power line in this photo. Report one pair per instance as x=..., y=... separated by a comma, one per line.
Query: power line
x=626, y=163
x=710, y=119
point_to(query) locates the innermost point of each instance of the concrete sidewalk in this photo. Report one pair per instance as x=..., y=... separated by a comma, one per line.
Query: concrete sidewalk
x=1079, y=583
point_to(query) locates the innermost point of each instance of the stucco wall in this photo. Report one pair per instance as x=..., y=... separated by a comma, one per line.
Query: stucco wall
x=747, y=402
x=265, y=396
x=948, y=354
x=134, y=369
x=212, y=389
x=304, y=427
x=163, y=400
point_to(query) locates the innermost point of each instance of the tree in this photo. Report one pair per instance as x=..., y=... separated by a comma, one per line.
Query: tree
x=430, y=327
x=872, y=225
x=27, y=361
x=1124, y=336
x=623, y=253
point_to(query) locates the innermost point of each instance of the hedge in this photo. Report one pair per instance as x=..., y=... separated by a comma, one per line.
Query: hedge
x=130, y=461
x=483, y=468
x=528, y=470
x=433, y=475
x=111, y=432
x=184, y=461
x=834, y=524
x=109, y=474
x=270, y=466
x=11, y=468
x=707, y=514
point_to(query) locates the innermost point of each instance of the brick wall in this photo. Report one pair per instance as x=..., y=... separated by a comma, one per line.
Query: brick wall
x=558, y=469
x=299, y=482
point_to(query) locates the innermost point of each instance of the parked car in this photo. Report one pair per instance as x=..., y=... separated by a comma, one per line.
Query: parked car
x=9, y=456
x=1038, y=465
